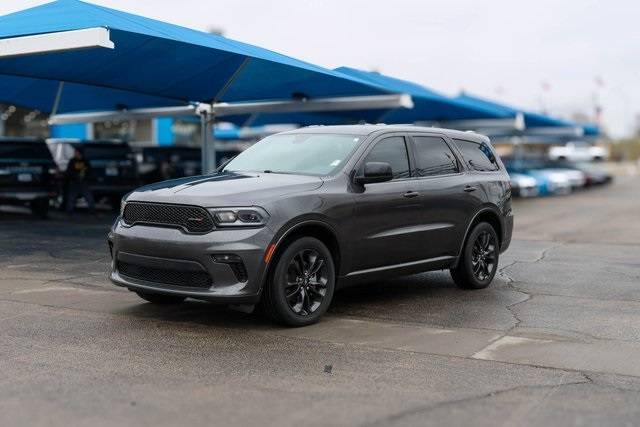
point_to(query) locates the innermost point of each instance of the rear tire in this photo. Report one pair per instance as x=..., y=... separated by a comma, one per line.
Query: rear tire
x=161, y=299
x=479, y=261
x=300, y=287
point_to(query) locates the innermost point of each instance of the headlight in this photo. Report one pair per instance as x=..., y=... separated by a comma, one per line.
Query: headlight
x=239, y=217
x=122, y=205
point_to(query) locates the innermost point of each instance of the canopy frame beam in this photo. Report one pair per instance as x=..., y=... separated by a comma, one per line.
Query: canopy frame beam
x=209, y=113
x=97, y=37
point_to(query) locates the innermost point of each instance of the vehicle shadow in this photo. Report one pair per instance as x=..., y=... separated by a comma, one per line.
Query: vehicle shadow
x=428, y=298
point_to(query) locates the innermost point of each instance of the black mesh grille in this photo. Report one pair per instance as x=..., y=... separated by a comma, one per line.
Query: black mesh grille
x=191, y=279
x=193, y=219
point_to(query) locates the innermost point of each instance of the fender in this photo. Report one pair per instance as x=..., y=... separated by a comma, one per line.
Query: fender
x=288, y=229
x=486, y=208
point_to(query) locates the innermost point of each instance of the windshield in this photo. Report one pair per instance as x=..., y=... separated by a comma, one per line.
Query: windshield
x=297, y=153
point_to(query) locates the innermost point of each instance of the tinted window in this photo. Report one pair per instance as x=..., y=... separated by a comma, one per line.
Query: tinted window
x=477, y=155
x=296, y=153
x=105, y=152
x=24, y=150
x=433, y=156
x=391, y=150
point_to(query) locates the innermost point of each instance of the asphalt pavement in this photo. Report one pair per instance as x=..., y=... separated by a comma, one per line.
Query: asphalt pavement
x=554, y=341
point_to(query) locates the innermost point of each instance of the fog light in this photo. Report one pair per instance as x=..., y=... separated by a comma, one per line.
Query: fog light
x=236, y=264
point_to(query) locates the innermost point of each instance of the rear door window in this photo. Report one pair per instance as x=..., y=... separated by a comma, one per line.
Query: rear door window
x=478, y=156
x=392, y=150
x=433, y=156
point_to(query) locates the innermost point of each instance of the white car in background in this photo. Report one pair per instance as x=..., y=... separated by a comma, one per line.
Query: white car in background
x=578, y=151
x=523, y=185
x=576, y=178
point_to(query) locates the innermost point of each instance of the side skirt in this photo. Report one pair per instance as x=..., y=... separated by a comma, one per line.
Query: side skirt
x=390, y=271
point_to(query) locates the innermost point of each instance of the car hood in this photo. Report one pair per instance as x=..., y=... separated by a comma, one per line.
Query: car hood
x=226, y=189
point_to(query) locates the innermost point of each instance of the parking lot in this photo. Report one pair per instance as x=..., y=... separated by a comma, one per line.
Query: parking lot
x=555, y=340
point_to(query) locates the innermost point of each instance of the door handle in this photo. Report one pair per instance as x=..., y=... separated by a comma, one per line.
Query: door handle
x=470, y=188
x=411, y=194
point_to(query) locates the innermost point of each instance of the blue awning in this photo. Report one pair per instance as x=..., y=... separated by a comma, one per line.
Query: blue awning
x=531, y=119
x=40, y=94
x=429, y=106
x=153, y=64
x=591, y=129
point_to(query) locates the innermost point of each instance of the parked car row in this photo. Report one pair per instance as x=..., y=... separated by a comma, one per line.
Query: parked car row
x=32, y=175
x=532, y=177
x=578, y=151
x=27, y=174
x=32, y=171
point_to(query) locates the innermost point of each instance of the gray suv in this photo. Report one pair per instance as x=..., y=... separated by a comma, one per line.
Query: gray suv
x=305, y=212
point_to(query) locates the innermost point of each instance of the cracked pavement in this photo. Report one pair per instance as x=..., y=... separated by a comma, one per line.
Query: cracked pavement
x=555, y=340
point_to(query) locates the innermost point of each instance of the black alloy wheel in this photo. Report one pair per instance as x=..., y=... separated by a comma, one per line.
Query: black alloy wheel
x=301, y=283
x=478, y=262
x=306, y=282
x=484, y=255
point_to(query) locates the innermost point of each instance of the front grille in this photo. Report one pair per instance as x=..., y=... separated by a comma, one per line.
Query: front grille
x=193, y=219
x=190, y=279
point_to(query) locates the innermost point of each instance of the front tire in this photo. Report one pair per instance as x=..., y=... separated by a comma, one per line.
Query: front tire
x=301, y=285
x=160, y=299
x=479, y=261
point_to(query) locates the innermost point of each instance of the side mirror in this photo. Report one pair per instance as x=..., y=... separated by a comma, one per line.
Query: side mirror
x=375, y=172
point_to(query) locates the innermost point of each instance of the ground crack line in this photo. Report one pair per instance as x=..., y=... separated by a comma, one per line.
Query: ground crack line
x=429, y=407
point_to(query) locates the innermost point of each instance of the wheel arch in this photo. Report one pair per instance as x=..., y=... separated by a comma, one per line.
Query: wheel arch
x=489, y=214
x=316, y=228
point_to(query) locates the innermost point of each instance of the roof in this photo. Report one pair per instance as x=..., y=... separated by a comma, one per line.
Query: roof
x=370, y=129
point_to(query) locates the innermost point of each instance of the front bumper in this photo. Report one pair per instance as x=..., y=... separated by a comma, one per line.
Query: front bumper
x=158, y=249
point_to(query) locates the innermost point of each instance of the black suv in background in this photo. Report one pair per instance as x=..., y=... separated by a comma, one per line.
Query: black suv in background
x=113, y=168
x=159, y=163
x=27, y=174
x=302, y=213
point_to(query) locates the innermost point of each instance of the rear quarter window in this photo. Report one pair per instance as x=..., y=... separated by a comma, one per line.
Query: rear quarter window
x=477, y=155
x=433, y=156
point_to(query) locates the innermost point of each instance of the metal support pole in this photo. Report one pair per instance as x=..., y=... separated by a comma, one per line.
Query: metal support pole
x=204, y=118
x=208, y=150
x=2, y=120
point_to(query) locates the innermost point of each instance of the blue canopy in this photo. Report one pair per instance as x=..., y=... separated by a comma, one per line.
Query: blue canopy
x=429, y=106
x=153, y=64
x=591, y=129
x=40, y=94
x=531, y=120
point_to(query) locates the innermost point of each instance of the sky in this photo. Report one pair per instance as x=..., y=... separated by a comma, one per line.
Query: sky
x=562, y=57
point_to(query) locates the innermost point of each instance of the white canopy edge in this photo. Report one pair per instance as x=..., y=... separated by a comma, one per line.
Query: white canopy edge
x=56, y=42
x=481, y=125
